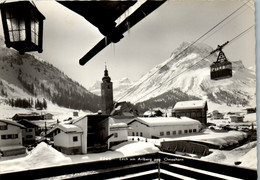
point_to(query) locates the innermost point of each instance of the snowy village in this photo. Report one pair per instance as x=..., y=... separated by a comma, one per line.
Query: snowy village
x=191, y=116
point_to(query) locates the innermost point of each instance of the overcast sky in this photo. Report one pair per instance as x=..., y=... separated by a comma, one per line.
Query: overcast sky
x=68, y=37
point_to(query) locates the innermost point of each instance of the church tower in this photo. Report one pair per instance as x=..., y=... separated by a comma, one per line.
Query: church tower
x=106, y=93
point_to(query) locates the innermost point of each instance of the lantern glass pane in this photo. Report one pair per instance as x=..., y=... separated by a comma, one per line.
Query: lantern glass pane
x=11, y=36
x=34, y=28
x=15, y=24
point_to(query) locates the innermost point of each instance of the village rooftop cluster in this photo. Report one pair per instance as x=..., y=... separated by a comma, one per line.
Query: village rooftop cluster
x=118, y=123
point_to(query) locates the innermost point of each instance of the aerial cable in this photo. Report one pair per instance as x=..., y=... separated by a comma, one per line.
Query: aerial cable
x=129, y=92
x=224, y=24
x=189, y=68
x=242, y=33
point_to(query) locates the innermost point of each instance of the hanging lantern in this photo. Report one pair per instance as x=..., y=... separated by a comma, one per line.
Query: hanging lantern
x=23, y=26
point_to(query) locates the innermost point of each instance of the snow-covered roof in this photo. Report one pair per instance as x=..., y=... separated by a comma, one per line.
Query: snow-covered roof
x=115, y=124
x=118, y=125
x=70, y=128
x=149, y=113
x=166, y=121
x=190, y=105
x=67, y=128
x=12, y=123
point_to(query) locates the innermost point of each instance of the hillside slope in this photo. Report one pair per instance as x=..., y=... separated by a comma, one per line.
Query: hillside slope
x=26, y=76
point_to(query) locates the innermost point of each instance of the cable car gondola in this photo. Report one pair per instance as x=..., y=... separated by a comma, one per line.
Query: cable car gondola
x=222, y=68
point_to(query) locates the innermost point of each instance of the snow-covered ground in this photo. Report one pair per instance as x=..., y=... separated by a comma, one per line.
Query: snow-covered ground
x=59, y=113
x=44, y=155
x=246, y=154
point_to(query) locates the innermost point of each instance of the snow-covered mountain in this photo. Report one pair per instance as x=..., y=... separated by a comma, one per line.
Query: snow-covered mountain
x=186, y=76
x=119, y=87
x=28, y=77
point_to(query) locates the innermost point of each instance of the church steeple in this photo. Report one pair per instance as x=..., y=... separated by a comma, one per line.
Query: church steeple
x=106, y=76
x=106, y=93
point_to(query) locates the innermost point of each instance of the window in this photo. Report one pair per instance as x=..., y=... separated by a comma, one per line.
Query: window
x=28, y=130
x=173, y=132
x=185, y=131
x=115, y=135
x=193, y=114
x=161, y=133
x=137, y=134
x=168, y=133
x=190, y=130
x=141, y=134
x=3, y=127
x=194, y=130
x=29, y=136
x=180, y=132
x=9, y=136
x=199, y=114
x=133, y=133
x=75, y=138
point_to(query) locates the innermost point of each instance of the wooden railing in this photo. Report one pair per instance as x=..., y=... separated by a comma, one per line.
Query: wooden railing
x=150, y=166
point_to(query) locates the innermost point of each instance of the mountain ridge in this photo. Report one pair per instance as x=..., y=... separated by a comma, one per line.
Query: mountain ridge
x=188, y=72
x=27, y=76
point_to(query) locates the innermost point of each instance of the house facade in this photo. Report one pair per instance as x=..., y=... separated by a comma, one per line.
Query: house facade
x=196, y=109
x=29, y=133
x=32, y=116
x=236, y=118
x=158, y=127
x=67, y=138
x=119, y=131
x=11, y=138
x=47, y=116
x=88, y=134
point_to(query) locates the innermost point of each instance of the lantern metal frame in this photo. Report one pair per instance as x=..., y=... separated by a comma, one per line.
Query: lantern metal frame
x=23, y=26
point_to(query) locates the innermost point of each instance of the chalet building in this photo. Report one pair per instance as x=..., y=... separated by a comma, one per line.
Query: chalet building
x=123, y=113
x=67, y=138
x=159, y=127
x=29, y=133
x=217, y=115
x=32, y=116
x=88, y=134
x=106, y=94
x=119, y=131
x=47, y=116
x=196, y=109
x=11, y=138
x=236, y=118
x=251, y=110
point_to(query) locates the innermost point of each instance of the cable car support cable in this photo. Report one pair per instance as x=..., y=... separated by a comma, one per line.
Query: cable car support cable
x=191, y=45
x=189, y=68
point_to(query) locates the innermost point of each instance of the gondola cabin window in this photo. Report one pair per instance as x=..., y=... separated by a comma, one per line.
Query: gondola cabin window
x=221, y=70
